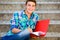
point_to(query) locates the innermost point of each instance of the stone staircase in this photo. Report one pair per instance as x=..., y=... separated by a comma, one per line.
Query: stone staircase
x=45, y=8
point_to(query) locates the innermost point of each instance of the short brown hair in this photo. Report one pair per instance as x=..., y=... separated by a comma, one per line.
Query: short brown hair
x=31, y=1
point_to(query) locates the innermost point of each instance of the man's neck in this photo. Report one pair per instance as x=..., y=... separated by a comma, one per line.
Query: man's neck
x=28, y=14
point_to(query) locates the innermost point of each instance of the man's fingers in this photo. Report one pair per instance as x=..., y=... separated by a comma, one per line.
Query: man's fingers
x=30, y=30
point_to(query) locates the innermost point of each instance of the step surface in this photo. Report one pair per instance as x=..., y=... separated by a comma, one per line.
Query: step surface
x=18, y=7
x=51, y=28
x=8, y=22
x=24, y=2
x=49, y=34
x=41, y=11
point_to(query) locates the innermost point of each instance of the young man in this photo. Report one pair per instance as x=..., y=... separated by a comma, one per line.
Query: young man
x=23, y=23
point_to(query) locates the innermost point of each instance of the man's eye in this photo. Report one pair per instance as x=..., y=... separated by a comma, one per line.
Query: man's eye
x=29, y=5
x=33, y=6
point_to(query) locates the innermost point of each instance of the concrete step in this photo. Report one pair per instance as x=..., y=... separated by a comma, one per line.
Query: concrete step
x=49, y=34
x=24, y=2
x=5, y=17
x=52, y=28
x=38, y=7
x=4, y=28
x=8, y=22
x=48, y=11
x=51, y=16
x=52, y=34
x=12, y=0
x=41, y=11
x=46, y=38
x=48, y=0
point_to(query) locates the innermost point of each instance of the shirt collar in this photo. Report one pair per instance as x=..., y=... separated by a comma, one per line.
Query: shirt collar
x=25, y=14
x=32, y=15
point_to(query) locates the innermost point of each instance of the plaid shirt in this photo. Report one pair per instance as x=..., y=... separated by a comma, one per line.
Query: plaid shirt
x=20, y=20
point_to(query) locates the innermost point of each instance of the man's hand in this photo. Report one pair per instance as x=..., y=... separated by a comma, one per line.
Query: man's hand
x=30, y=30
x=15, y=30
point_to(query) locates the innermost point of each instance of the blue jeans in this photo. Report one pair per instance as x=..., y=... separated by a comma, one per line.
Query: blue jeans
x=23, y=35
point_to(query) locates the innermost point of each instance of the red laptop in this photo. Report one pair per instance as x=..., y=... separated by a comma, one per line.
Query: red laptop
x=41, y=27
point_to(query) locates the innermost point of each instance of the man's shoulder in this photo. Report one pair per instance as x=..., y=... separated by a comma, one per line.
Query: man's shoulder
x=18, y=12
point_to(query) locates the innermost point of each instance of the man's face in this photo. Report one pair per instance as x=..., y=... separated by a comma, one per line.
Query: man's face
x=30, y=7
